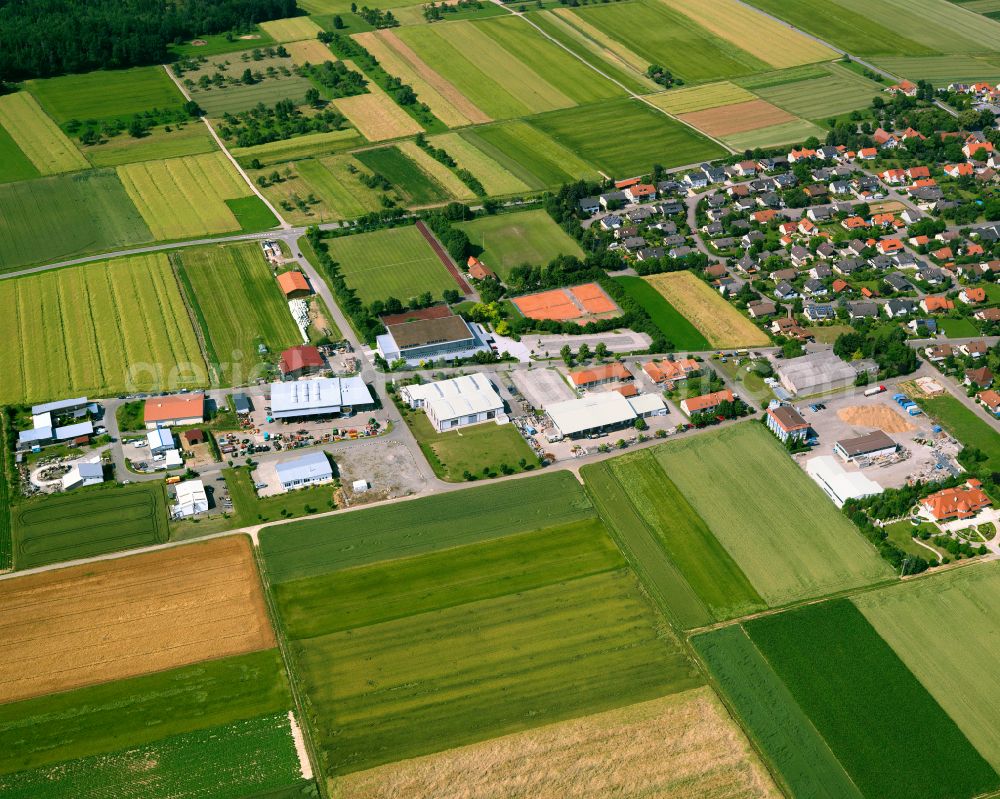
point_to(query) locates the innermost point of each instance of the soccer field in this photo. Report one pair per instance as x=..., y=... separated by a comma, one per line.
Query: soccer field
x=528, y=237
x=391, y=263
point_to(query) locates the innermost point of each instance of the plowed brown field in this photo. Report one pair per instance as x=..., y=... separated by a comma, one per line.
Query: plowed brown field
x=738, y=117
x=119, y=618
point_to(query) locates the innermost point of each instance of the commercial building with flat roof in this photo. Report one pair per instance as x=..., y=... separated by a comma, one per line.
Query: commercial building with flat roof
x=838, y=483
x=83, y=474
x=870, y=445
x=60, y=406
x=160, y=440
x=458, y=402
x=177, y=410
x=822, y=371
x=191, y=499
x=324, y=396
x=431, y=339
x=601, y=413
x=313, y=468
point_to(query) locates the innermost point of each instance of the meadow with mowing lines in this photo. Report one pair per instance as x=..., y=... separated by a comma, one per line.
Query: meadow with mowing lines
x=527, y=237
x=82, y=524
x=495, y=179
x=38, y=137
x=698, y=98
x=376, y=115
x=237, y=300
x=138, y=710
x=937, y=25
x=293, y=29
x=947, y=634
x=761, y=36
x=942, y=70
x=341, y=194
x=318, y=546
x=682, y=746
x=108, y=326
x=718, y=321
x=353, y=598
x=737, y=118
x=185, y=197
x=788, y=133
x=95, y=211
x=771, y=717
x=842, y=91
x=234, y=99
x=311, y=144
x=776, y=523
x=225, y=762
x=438, y=173
x=14, y=164
x=763, y=80
x=113, y=619
x=457, y=675
x=529, y=154
x=964, y=424
x=660, y=35
x=674, y=325
x=106, y=94
x=190, y=139
x=685, y=537
x=390, y=263
x=662, y=580
x=868, y=706
x=625, y=137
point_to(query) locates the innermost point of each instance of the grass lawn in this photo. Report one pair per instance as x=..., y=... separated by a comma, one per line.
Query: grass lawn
x=219, y=43
x=958, y=328
x=528, y=237
x=777, y=525
x=109, y=326
x=415, y=185
x=868, y=705
x=251, y=509
x=442, y=521
x=238, y=303
x=625, y=137
x=827, y=334
x=901, y=534
x=88, y=522
x=473, y=449
x=965, y=425
x=944, y=630
x=675, y=326
x=390, y=263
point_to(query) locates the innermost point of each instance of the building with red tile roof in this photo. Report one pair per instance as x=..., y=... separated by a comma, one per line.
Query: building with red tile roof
x=962, y=502
x=294, y=284
x=706, y=402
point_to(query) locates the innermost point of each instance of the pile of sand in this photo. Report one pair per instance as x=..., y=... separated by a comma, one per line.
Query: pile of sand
x=881, y=416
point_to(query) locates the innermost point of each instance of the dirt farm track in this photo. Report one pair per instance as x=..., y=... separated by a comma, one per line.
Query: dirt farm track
x=121, y=618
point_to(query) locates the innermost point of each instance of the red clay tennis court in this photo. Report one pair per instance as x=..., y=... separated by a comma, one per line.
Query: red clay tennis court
x=580, y=303
x=593, y=299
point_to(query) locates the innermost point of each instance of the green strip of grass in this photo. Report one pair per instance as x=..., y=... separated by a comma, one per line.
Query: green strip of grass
x=965, y=425
x=675, y=326
x=252, y=214
x=404, y=174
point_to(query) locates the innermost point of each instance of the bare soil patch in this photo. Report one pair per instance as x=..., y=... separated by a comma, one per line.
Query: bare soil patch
x=120, y=618
x=738, y=117
x=881, y=416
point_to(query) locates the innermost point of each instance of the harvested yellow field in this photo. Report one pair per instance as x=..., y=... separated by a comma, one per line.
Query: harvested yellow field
x=495, y=179
x=682, y=746
x=121, y=618
x=376, y=114
x=183, y=197
x=293, y=29
x=717, y=320
x=761, y=36
x=882, y=416
x=38, y=136
x=698, y=98
x=312, y=51
x=448, y=103
x=737, y=118
x=437, y=171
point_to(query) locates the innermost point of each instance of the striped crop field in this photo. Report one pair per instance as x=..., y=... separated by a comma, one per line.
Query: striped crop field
x=436, y=171
x=935, y=24
x=14, y=164
x=495, y=179
x=737, y=118
x=340, y=192
x=839, y=92
x=276, y=152
x=38, y=136
x=185, y=197
x=698, y=98
x=293, y=29
x=945, y=69
x=376, y=115
x=167, y=141
x=788, y=133
x=107, y=327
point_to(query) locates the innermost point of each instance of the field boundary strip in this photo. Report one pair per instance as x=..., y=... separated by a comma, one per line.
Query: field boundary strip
x=445, y=259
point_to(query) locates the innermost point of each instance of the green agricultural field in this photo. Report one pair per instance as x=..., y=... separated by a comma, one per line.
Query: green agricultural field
x=335, y=6
x=942, y=70
x=95, y=211
x=936, y=25
x=212, y=762
x=495, y=179
x=219, y=43
x=868, y=706
x=415, y=185
x=354, y=598
x=238, y=303
x=773, y=135
x=318, y=546
x=772, y=719
x=764, y=80
x=625, y=137
x=947, y=634
x=184, y=197
x=109, y=326
x=293, y=29
x=299, y=147
x=675, y=326
x=456, y=675
x=341, y=193
x=136, y=711
x=234, y=99
x=529, y=154
x=14, y=164
x=663, y=36
x=390, y=263
x=85, y=523
x=661, y=578
x=776, y=523
x=699, y=98
x=470, y=450
x=38, y=137
x=528, y=237
x=190, y=139
x=252, y=213
x=965, y=425
x=107, y=95
x=840, y=92
x=685, y=537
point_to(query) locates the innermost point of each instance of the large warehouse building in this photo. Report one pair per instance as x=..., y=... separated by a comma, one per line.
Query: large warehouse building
x=458, y=402
x=313, y=468
x=325, y=396
x=838, y=483
x=821, y=371
x=601, y=413
x=870, y=445
x=420, y=336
